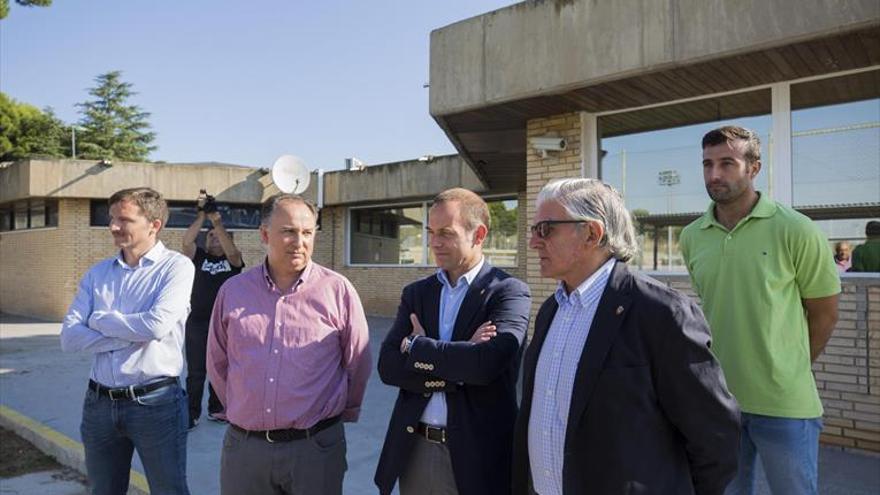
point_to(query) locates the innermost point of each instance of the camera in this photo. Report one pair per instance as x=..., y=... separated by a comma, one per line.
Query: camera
x=210, y=204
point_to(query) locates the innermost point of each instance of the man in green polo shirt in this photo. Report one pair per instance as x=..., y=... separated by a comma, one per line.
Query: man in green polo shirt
x=769, y=288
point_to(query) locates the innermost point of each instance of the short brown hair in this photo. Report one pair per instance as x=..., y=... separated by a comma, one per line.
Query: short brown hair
x=268, y=206
x=150, y=202
x=730, y=133
x=473, y=209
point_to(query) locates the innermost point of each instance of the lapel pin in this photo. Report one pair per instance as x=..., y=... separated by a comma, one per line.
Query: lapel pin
x=482, y=292
x=619, y=311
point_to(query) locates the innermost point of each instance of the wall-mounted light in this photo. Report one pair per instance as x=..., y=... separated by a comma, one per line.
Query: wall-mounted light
x=548, y=143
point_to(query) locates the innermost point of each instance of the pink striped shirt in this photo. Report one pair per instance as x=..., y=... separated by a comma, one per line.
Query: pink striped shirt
x=288, y=360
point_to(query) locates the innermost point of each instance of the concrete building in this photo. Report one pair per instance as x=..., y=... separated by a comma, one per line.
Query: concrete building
x=630, y=86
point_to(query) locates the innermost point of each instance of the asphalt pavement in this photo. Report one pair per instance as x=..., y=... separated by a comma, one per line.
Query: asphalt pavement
x=42, y=389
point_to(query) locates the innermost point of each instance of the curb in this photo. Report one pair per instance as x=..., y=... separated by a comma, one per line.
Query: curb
x=59, y=446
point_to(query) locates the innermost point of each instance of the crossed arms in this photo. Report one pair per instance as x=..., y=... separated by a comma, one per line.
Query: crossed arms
x=87, y=328
x=473, y=362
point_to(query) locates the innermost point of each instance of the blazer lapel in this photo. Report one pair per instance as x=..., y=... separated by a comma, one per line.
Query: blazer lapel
x=430, y=317
x=471, y=305
x=609, y=316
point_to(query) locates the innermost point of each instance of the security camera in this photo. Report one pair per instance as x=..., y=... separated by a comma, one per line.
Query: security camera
x=548, y=143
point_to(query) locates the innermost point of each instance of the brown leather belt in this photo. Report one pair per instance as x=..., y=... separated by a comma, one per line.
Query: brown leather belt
x=432, y=433
x=289, y=434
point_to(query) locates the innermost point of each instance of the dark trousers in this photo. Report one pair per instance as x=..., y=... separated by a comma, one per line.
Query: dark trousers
x=196, y=369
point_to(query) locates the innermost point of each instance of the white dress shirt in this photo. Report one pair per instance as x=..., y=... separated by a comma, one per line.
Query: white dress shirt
x=554, y=378
x=132, y=318
x=450, y=302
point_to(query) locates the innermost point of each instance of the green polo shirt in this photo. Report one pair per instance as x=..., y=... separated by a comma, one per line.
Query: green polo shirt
x=751, y=281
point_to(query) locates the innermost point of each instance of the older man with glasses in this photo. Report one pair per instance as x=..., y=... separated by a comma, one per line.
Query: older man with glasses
x=620, y=391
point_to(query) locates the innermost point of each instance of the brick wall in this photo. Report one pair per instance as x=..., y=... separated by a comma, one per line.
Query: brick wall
x=539, y=171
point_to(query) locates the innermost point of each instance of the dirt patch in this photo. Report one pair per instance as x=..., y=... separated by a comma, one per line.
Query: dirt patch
x=18, y=457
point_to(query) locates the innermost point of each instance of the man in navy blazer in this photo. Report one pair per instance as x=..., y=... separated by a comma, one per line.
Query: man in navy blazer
x=620, y=391
x=454, y=352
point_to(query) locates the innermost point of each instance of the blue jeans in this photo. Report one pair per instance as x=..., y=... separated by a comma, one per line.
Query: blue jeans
x=155, y=425
x=789, y=452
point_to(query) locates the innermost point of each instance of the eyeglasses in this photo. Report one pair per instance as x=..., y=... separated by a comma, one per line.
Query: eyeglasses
x=545, y=228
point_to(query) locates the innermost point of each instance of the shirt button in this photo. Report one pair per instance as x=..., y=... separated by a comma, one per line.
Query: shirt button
x=268, y=409
x=549, y=393
x=275, y=351
x=547, y=472
x=271, y=380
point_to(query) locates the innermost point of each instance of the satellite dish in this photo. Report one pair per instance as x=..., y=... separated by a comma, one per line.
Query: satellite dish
x=290, y=174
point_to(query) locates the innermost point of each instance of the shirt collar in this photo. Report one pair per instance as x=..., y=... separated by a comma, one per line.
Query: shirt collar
x=155, y=253
x=579, y=294
x=764, y=208
x=468, y=276
x=270, y=284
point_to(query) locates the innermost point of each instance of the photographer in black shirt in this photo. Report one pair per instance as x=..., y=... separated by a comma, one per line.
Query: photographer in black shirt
x=218, y=261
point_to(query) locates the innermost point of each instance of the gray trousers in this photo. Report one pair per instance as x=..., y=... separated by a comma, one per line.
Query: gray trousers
x=251, y=465
x=429, y=471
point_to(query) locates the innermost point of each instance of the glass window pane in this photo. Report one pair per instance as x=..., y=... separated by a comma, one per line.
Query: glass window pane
x=387, y=236
x=6, y=217
x=653, y=157
x=38, y=213
x=99, y=213
x=51, y=212
x=836, y=141
x=500, y=247
x=21, y=215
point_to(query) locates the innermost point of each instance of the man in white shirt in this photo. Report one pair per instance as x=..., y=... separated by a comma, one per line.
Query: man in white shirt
x=130, y=312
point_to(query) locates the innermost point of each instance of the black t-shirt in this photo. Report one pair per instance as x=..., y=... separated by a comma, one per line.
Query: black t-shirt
x=211, y=272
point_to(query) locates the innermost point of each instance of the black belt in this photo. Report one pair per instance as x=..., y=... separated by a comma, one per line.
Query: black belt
x=131, y=392
x=432, y=433
x=289, y=434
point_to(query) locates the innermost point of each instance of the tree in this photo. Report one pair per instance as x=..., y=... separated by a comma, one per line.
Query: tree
x=29, y=132
x=113, y=128
x=4, y=5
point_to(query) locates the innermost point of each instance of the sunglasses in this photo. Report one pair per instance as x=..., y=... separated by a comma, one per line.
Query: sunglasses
x=544, y=228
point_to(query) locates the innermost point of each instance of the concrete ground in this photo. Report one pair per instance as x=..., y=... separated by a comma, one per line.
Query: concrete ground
x=41, y=393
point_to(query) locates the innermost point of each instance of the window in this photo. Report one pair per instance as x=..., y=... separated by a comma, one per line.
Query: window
x=502, y=244
x=653, y=157
x=33, y=213
x=835, y=141
x=387, y=236
x=395, y=235
x=181, y=214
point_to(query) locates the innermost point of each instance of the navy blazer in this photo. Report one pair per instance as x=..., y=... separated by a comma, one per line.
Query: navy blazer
x=479, y=379
x=650, y=412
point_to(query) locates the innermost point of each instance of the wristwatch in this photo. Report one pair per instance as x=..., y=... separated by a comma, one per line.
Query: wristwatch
x=409, y=342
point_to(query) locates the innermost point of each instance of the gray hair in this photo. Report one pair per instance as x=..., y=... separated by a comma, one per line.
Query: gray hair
x=594, y=200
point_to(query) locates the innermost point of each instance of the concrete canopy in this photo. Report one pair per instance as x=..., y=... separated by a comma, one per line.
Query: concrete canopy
x=492, y=73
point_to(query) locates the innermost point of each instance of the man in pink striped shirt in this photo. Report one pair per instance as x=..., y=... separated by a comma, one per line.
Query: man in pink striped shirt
x=289, y=357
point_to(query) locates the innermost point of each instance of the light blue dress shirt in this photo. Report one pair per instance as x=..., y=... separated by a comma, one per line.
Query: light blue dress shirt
x=554, y=378
x=450, y=302
x=132, y=318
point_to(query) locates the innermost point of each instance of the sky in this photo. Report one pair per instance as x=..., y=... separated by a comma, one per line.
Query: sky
x=245, y=82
